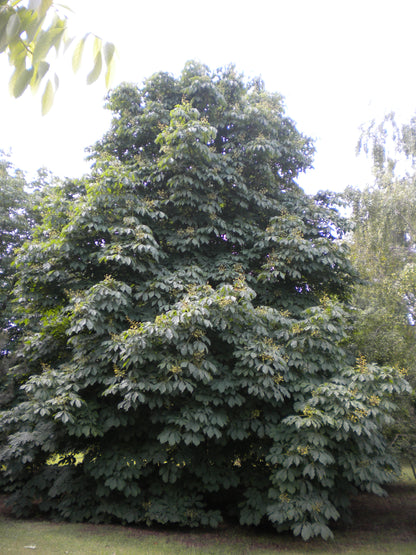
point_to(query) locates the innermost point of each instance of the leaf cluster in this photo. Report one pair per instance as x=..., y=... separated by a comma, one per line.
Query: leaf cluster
x=29, y=33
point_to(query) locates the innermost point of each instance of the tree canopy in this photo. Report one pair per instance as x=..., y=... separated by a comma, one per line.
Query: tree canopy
x=14, y=223
x=383, y=251
x=185, y=321
x=18, y=216
x=29, y=32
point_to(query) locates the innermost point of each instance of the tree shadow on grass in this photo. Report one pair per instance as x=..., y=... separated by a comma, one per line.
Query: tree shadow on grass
x=376, y=522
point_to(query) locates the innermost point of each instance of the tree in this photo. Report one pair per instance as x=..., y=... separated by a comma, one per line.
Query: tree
x=185, y=319
x=18, y=216
x=29, y=32
x=14, y=229
x=15, y=224
x=383, y=250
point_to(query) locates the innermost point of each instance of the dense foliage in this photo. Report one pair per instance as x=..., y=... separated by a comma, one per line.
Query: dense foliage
x=383, y=250
x=17, y=217
x=14, y=225
x=185, y=321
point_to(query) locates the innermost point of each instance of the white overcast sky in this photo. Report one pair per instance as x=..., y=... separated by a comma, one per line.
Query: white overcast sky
x=338, y=65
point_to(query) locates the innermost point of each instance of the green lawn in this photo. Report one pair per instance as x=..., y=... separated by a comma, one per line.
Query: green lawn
x=380, y=525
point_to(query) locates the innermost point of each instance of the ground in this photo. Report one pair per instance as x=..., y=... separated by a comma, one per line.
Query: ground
x=379, y=525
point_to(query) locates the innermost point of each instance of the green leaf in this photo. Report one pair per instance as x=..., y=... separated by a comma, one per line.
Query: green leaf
x=77, y=56
x=44, y=7
x=3, y=42
x=46, y=41
x=109, y=74
x=306, y=532
x=32, y=26
x=13, y=80
x=97, y=46
x=13, y=27
x=22, y=82
x=42, y=69
x=47, y=98
x=18, y=55
x=109, y=50
x=38, y=75
x=96, y=70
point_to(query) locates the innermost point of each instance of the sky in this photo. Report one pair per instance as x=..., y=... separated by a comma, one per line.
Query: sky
x=338, y=64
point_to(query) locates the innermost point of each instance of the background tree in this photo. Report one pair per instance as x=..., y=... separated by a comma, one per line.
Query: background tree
x=29, y=32
x=18, y=216
x=383, y=250
x=185, y=327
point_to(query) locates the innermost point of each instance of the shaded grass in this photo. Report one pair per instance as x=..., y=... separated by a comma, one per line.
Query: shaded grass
x=17, y=537
x=380, y=525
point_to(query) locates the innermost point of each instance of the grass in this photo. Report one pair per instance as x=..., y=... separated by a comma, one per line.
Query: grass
x=407, y=476
x=380, y=525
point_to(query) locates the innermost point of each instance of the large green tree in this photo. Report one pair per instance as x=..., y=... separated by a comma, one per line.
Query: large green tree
x=185, y=316
x=383, y=251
